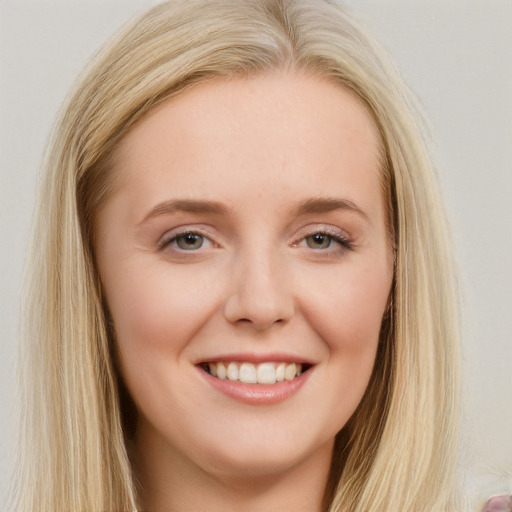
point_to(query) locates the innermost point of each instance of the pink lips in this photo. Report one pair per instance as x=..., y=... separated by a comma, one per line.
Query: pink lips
x=260, y=358
x=257, y=394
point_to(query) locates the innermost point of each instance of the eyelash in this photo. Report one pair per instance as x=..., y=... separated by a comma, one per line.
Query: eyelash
x=343, y=242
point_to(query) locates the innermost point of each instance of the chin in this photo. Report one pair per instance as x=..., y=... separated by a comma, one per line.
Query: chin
x=262, y=458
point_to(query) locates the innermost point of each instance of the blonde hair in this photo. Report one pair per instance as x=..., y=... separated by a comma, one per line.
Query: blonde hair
x=398, y=451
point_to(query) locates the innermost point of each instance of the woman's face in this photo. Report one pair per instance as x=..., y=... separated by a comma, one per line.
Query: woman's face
x=247, y=237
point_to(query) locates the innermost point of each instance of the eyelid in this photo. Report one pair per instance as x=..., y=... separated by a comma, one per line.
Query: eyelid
x=327, y=229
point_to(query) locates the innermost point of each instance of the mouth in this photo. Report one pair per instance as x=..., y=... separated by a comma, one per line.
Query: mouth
x=266, y=373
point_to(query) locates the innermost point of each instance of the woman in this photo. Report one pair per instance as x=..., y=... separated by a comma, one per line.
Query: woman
x=239, y=226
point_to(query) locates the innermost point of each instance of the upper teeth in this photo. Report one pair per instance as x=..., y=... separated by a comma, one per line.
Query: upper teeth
x=263, y=373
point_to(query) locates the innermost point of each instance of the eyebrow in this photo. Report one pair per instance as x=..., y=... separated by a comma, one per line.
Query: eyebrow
x=328, y=204
x=185, y=205
x=309, y=206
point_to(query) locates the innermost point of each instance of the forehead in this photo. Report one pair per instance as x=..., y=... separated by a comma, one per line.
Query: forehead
x=265, y=134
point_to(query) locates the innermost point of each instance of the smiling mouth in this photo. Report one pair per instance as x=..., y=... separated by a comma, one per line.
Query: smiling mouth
x=249, y=373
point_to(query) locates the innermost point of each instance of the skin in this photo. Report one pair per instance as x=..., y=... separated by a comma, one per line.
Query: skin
x=260, y=283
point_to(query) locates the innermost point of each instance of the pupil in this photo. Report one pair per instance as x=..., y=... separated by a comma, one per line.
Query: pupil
x=190, y=241
x=319, y=241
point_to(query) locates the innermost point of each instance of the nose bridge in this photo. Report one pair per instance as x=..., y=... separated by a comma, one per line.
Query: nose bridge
x=260, y=292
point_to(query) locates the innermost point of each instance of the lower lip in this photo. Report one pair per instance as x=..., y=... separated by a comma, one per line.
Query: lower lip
x=257, y=394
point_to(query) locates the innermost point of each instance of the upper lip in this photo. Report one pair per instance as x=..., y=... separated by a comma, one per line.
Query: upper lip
x=256, y=358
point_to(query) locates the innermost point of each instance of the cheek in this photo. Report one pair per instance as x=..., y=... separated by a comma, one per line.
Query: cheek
x=347, y=314
x=347, y=310
x=156, y=314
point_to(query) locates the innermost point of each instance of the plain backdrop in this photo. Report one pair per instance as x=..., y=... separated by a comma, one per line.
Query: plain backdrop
x=457, y=57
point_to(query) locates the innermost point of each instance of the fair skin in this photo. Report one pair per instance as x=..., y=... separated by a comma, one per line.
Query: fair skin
x=248, y=229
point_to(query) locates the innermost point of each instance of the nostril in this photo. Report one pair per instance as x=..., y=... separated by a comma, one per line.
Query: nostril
x=259, y=324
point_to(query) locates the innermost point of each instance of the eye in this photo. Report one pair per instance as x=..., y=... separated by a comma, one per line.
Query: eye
x=326, y=240
x=189, y=241
x=185, y=241
x=319, y=241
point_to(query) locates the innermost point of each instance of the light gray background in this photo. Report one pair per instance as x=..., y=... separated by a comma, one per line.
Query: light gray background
x=457, y=57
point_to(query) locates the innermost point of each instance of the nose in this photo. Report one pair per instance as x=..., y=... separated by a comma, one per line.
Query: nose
x=260, y=293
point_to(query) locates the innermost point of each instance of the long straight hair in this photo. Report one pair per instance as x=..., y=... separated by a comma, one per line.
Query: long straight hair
x=398, y=451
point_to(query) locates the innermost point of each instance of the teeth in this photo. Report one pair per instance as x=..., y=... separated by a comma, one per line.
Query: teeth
x=221, y=371
x=266, y=373
x=263, y=373
x=232, y=371
x=248, y=373
x=280, y=372
x=290, y=371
